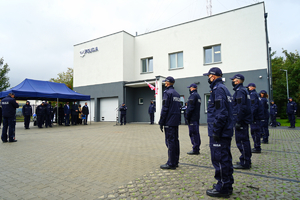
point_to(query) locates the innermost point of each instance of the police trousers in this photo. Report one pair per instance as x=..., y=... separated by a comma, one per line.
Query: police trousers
x=292, y=119
x=255, y=133
x=221, y=159
x=243, y=144
x=194, y=135
x=265, y=130
x=26, y=121
x=8, y=123
x=172, y=142
x=273, y=120
x=151, y=118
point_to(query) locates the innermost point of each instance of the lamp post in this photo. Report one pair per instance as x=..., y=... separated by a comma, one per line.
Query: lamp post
x=287, y=82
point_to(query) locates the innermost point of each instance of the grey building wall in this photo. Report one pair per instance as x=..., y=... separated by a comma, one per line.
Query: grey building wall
x=139, y=113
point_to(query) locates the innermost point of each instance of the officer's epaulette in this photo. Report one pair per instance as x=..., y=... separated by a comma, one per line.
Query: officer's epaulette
x=215, y=87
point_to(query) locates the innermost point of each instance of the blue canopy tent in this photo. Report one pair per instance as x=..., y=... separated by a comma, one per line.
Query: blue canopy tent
x=44, y=90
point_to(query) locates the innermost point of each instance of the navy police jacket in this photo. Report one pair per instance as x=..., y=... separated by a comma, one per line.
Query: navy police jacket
x=219, y=110
x=193, y=107
x=170, y=111
x=241, y=105
x=40, y=110
x=27, y=110
x=291, y=108
x=273, y=109
x=49, y=109
x=256, y=106
x=9, y=106
x=151, y=108
x=265, y=106
x=123, y=110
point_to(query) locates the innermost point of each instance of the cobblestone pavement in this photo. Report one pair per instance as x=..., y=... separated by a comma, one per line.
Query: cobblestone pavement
x=103, y=161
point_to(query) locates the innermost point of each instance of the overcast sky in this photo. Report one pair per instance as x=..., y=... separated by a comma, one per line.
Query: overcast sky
x=37, y=36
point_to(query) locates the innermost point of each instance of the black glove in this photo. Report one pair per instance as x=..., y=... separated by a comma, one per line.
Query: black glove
x=161, y=128
x=237, y=126
x=216, y=137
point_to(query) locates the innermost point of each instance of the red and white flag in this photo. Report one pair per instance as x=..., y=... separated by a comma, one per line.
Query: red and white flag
x=156, y=88
x=150, y=86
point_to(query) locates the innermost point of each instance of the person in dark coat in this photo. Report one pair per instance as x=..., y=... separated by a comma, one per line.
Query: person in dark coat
x=61, y=114
x=266, y=115
x=123, y=110
x=169, y=121
x=220, y=132
x=9, y=105
x=74, y=112
x=67, y=112
x=193, y=117
x=151, y=111
x=257, y=113
x=48, y=114
x=291, y=110
x=40, y=112
x=85, y=112
x=273, y=113
x=242, y=118
x=27, y=113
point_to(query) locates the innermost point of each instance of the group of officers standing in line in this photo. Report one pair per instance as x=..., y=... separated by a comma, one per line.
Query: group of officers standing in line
x=225, y=114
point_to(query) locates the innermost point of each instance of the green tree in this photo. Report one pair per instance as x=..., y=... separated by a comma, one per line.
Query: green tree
x=4, y=80
x=65, y=77
x=291, y=63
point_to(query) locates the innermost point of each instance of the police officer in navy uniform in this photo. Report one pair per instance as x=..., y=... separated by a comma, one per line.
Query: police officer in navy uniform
x=27, y=113
x=9, y=105
x=67, y=112
x=48, y=114
x=151, y=111
x=40, y=112
x=266, y=115
x=123, y=110
x=273, y=113
x=220, y=132
x=169, y=120
x=75, y=113
x=242, y=117
x=193, y=116
x=291, y=110
x=257, y=113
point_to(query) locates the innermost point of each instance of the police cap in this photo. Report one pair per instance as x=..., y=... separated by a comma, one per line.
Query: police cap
x=238, y=76
x=169, y=79
x=214, y=71
x=251, y=84
x=263, y=92
x=192, y=85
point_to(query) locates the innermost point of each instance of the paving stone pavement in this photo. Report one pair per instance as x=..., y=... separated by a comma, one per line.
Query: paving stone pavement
x=103, y=161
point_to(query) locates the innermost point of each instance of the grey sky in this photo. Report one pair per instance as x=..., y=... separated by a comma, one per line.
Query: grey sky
x=37, y=36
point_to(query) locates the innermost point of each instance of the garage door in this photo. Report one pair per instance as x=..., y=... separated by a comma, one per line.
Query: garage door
x=108, y=108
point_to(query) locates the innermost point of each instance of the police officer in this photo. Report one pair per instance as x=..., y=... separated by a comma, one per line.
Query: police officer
x=220, y=132
x=67, y=112
x=75, y=113
x=27, y=113
x=60, y=114
x=169, y=120
x=273, y=113
x=242, y=117
x=40, y=112
x=291, y=110
x=257, y=113
x=193, y=116
x=85, y=111
x=123, y=110
x=265, y=121
x=9, y=105
x=48, y=114
x=151, y=111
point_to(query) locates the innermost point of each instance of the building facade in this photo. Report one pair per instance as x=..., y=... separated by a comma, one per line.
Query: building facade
x=113, y=69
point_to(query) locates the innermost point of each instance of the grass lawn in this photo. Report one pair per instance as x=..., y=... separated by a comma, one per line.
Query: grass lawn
x=286, y=122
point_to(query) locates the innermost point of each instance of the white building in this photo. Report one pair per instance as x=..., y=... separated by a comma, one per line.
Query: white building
x=112, y=69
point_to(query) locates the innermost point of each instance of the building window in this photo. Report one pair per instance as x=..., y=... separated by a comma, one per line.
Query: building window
x=147, y=65
x=212, y=54
x=176, y=60
x=206, y=97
